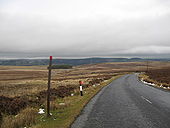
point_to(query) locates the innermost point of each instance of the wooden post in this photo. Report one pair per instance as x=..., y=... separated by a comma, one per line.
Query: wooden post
x=81, y=88
x=147, y=66
x=48, y=90
x=0, y=119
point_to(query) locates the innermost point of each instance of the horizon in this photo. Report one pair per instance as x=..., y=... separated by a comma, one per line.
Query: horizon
x=87, y=57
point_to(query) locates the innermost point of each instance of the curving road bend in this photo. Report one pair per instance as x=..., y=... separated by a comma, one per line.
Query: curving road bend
x=127, y=103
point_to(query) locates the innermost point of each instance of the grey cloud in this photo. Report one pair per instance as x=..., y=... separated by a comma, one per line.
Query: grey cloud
x=91, y=28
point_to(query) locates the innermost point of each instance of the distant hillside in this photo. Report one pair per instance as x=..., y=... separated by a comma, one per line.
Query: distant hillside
x=30, y=62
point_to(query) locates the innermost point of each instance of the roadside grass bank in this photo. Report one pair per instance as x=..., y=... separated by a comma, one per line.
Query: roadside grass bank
x=65, y=110
x=147, y=79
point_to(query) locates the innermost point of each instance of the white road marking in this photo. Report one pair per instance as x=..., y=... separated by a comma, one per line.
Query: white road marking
x=146, y=99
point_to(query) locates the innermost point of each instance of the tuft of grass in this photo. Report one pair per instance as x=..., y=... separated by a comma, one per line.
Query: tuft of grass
x=25, y=118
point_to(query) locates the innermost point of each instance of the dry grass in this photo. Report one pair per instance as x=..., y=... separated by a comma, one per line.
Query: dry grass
x=23, y=80
x=25, y=118
x=160, y=77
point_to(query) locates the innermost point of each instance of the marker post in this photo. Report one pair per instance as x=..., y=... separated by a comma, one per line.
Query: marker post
x=147, y=66
x=81, y=88
x=48, y=90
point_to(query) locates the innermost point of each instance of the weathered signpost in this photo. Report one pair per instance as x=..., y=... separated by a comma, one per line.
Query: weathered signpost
x=48, y=90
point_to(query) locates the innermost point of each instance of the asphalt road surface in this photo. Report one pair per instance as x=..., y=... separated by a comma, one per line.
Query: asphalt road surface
x=127, y=103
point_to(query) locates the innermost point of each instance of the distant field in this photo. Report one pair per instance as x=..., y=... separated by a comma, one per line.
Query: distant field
x=19, y=80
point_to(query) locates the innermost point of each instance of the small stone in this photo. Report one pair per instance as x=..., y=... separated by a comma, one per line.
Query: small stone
x=62, y=104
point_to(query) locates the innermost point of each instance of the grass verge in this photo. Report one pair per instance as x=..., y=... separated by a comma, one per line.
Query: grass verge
x=64, y=115
x=157, y=84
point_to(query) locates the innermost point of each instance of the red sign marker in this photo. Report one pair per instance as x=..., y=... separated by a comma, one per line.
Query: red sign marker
x=81, y=82
x=51, y=57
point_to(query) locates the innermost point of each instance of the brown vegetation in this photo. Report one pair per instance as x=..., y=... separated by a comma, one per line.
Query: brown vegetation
x=25, y=118
x=160, y=75
x=25, y=87
x=26, y=80
x=12, y=105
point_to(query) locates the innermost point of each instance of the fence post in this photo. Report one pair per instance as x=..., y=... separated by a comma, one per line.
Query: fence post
x=81, y=88
x=48, y=90
x=147, y=66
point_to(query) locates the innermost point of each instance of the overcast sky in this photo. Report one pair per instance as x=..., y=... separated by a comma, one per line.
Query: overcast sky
x=78, y=28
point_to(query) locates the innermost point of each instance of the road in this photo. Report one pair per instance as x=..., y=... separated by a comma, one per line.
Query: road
x=127, y=103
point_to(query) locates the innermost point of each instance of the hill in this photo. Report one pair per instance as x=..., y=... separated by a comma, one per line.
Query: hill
x=74, y=62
